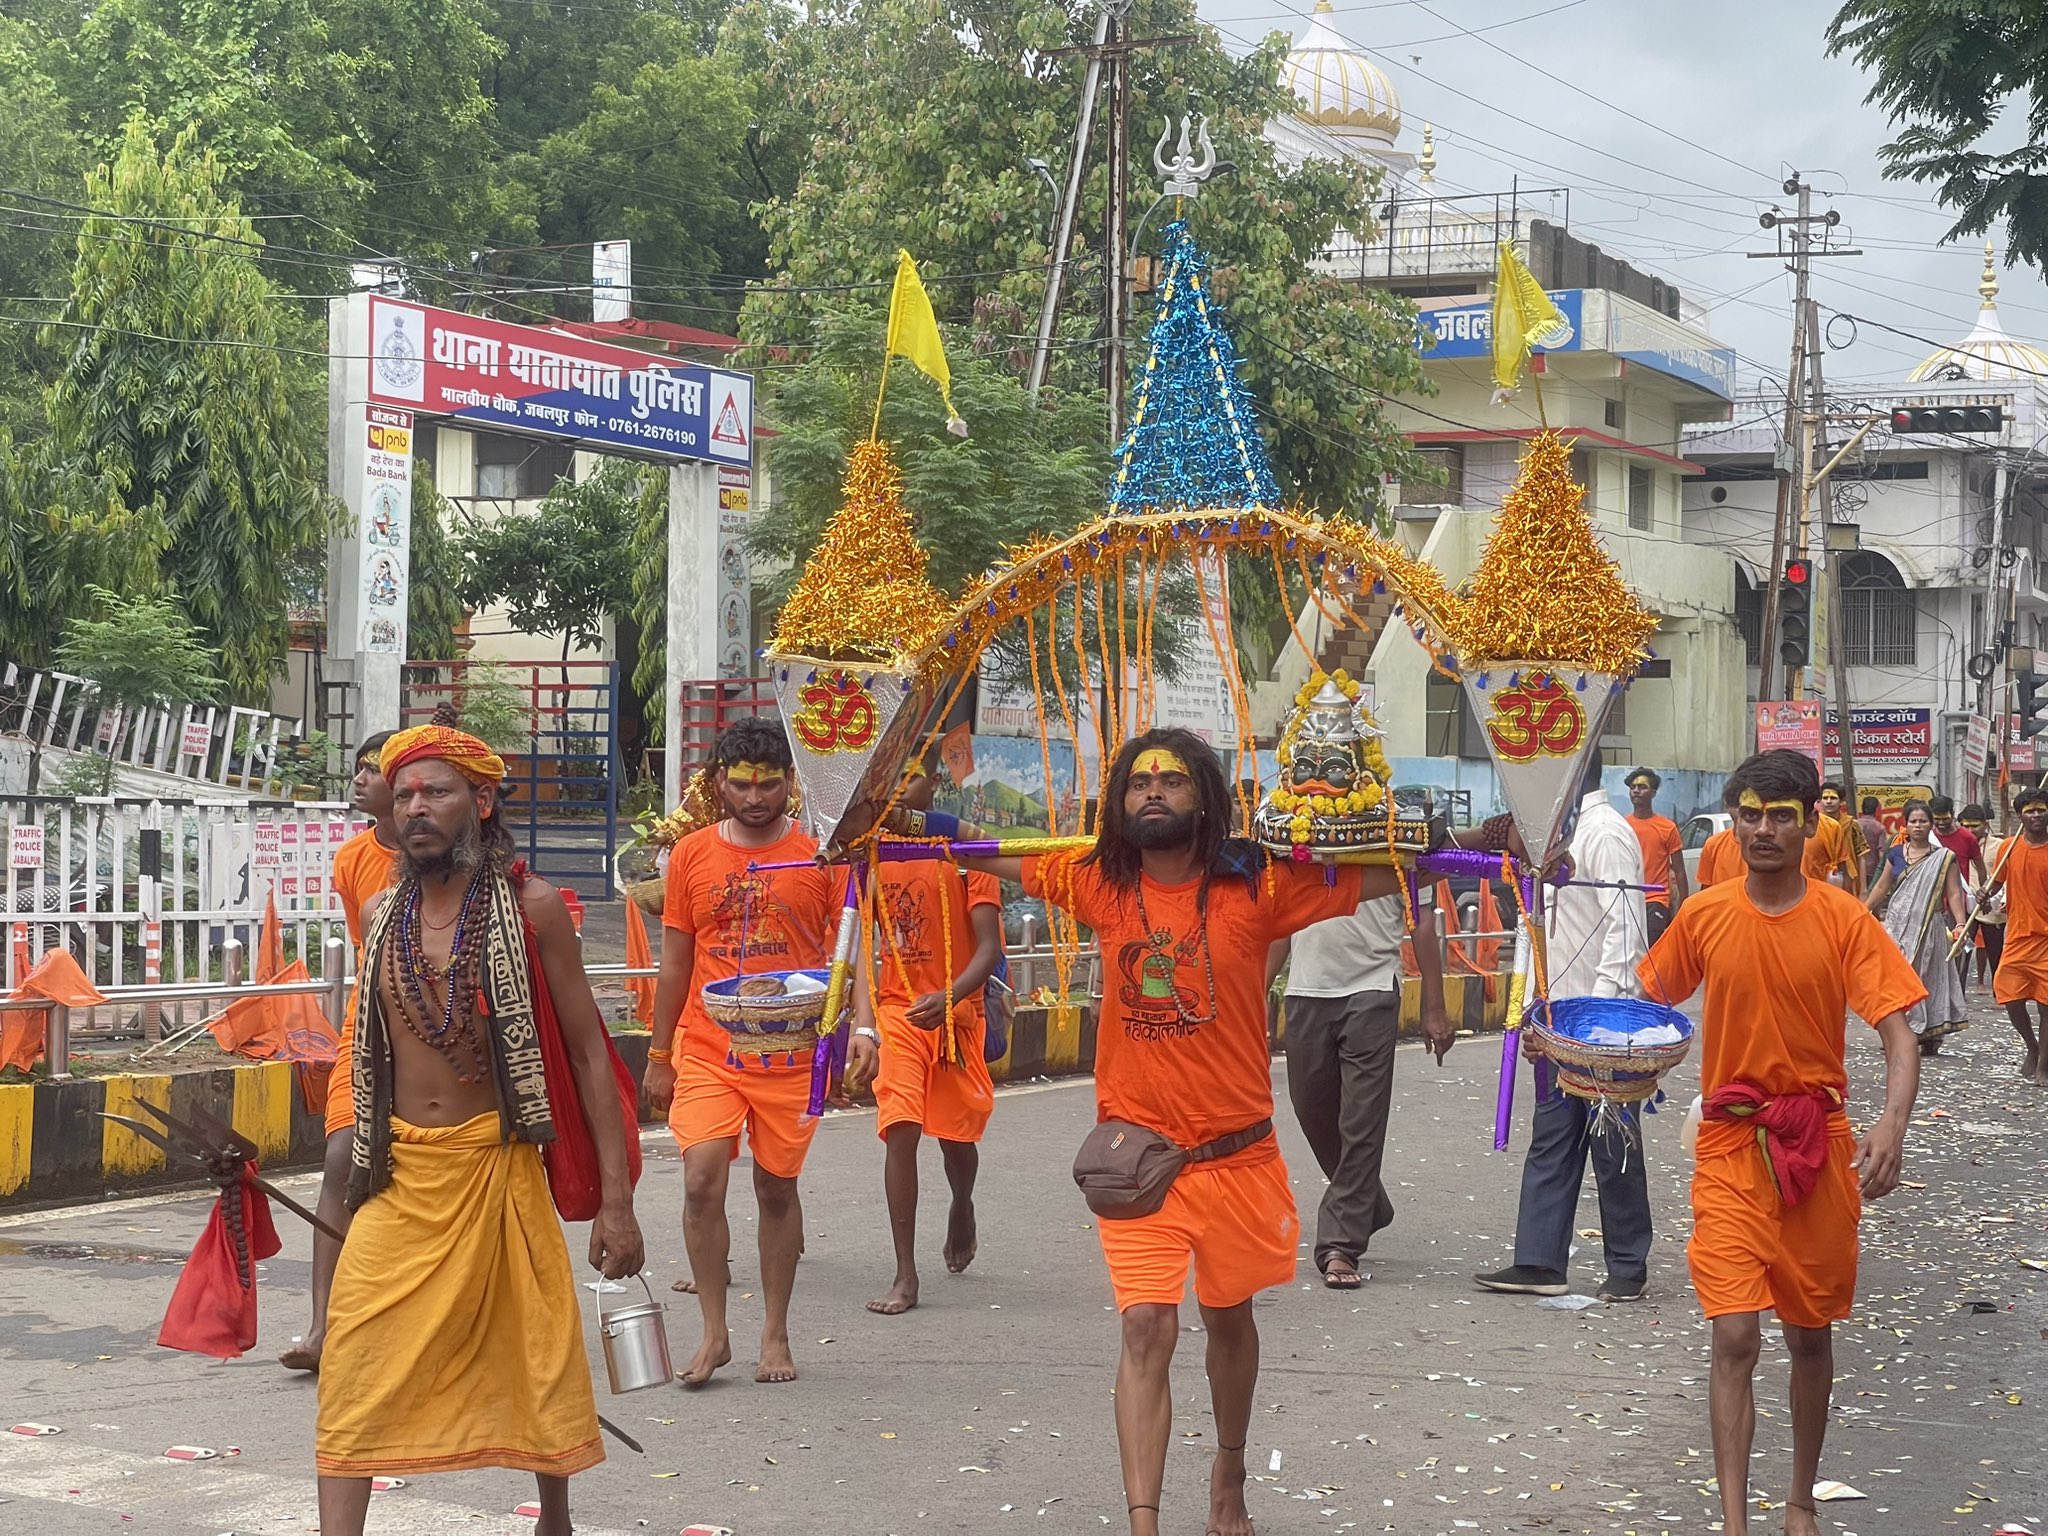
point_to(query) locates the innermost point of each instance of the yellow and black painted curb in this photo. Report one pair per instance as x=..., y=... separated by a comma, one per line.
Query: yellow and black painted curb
x=54, y=1145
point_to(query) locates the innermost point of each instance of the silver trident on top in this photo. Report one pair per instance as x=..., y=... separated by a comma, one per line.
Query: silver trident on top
x=1192, y=162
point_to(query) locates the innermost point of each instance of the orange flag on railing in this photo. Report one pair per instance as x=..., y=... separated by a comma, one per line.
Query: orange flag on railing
x=24, y=1031
x=639, y=954
x=270, y=942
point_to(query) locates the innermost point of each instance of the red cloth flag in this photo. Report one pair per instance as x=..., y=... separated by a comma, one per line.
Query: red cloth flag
x=213, y=1310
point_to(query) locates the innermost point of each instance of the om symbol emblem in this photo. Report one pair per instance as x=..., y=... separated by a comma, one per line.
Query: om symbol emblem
x=1538, y=719
x=837, y=714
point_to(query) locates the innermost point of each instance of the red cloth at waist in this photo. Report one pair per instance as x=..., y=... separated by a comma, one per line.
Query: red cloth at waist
x=1791, y=1130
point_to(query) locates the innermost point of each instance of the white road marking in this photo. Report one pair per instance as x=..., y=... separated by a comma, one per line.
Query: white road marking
x=213, y=1496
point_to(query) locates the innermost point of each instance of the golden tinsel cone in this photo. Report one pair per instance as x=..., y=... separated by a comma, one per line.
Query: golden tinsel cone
x=863, y=594
x=1545, y=590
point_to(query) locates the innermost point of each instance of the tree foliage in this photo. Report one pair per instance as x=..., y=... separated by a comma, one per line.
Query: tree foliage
x=433, y=604
x=931, y=114
x=567, y=568
x=137, y=653
x=173, y=386
x=1949, y=73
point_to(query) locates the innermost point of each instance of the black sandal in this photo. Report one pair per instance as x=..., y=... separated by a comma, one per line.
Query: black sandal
x=1349, y=1280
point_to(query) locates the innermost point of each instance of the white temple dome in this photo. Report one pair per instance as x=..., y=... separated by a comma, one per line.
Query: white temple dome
x=1987, y=353
x=1341, y=90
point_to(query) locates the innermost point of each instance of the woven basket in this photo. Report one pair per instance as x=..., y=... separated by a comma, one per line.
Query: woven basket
x=639, y=876
x=1618, y=1073
x=772, y=1024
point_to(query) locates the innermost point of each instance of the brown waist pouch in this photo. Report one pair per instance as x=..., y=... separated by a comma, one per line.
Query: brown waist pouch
x=1125, y=1170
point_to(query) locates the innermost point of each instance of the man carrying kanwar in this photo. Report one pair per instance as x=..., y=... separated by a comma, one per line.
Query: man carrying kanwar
x=362, y=869
x=1183, y=914
x=2021, y=865
x=936, y=917
x=1775, y=1187
x=722, y=916
x=454, y=1337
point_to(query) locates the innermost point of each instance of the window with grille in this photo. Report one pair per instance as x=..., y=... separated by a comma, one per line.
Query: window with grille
x=1452, y=730
x=1638, y=496
x=1450, y=491
x=1879, y=613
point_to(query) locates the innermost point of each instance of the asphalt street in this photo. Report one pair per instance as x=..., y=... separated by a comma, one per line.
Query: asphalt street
x=1416, y=1405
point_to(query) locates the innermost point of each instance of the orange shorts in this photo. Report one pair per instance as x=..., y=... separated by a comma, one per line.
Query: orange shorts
x=341, y=1098
x=1749, y=1254
x=2022, y=974
x=1236, y=1223
x=715, y=1102
x=914, y=1085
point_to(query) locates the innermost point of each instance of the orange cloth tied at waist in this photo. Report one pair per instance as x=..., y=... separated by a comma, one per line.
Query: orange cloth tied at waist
x=1791, y=1132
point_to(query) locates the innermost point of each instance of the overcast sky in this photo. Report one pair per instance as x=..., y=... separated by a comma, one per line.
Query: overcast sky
x=1739, y=91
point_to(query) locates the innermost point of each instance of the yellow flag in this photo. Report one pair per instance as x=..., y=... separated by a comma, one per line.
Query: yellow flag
x=1523, y=317
x=914, y=335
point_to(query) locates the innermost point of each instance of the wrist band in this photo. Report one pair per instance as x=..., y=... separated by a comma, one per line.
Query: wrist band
x=664, y=1056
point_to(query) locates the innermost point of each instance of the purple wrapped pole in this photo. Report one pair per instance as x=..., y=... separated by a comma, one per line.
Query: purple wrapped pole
x=1460, y=863
x=1511, y=1042
x=832, y=1037
x=828, y=1061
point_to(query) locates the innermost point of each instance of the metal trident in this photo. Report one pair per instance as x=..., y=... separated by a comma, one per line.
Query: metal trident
x=1192, y=162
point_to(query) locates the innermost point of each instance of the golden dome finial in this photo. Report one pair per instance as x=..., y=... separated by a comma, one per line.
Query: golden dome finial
x=1426, y=163
x=1989, y=286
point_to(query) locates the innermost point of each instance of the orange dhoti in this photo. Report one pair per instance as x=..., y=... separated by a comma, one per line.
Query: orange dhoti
x=1750, y=1254
x=916, y=1085
x=2022, y=974
x=454, y=1334
x=715, y=1101
x=1234, y=1222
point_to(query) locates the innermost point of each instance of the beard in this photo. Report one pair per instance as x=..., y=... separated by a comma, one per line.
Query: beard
x=1173, y=830
x=460, y=857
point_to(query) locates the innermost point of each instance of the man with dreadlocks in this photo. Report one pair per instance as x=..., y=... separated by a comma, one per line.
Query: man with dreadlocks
x=1183, y=914
x=453, y=1332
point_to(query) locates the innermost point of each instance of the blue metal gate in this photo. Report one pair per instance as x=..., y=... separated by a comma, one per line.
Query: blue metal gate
x=556, y=724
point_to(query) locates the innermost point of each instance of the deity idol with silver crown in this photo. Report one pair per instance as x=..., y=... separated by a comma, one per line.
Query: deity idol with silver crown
x=1334, y=799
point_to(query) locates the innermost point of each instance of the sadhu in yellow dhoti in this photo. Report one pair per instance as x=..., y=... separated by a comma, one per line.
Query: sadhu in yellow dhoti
x=454, y=1338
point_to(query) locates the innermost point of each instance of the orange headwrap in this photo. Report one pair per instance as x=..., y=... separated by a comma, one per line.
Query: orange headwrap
x=458, y=749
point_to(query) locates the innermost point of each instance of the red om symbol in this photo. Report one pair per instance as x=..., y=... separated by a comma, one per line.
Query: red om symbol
x=837, y=714
x=1538, y=719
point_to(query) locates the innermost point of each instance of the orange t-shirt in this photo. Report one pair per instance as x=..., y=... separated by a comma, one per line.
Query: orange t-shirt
x=1658, y=838
x=1828, y=850
x=1721, y=859
x=1182, y=1044
x=362, y=868
x=911, y=895
x=1778, y=990
x=2025, y=873
x=787, y=918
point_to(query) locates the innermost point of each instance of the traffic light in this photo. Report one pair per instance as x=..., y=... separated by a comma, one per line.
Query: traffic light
x=1948, y=418
x=2030, y=704
x=1795, y=614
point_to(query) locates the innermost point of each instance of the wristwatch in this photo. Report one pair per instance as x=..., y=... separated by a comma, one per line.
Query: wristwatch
x=865, y=1033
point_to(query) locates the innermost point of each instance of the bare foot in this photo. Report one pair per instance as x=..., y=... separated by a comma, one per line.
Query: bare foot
x=901, y=1298
x=304, y=1355
x=1800, y=1520
x=1227, y=1513
x=686, y=1285
x=961, y=1244
x=2030, y=1065
x=777, y=1364
x=711, y=1354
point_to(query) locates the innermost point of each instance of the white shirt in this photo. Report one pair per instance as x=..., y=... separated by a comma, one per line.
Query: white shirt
x=1344, y=956
x=1598, y=937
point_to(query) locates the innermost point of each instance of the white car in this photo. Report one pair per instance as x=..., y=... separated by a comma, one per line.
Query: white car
x=1692, y=837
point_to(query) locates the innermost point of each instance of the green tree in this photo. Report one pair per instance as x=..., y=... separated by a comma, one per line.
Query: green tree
x=63, y=533
x=137, y=653
x=1949, y=72
x=174, y=386
x=433, y=604
x=44, y=157
x=931, y=114
x=566, y=569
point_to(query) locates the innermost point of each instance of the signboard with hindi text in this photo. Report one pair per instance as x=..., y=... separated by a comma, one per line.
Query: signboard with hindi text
x=1882, y=736
x=524, y=378
x=1789, y=723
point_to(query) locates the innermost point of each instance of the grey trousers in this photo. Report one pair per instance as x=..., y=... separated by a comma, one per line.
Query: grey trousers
x=1555, y=1167
x=1340, y=1077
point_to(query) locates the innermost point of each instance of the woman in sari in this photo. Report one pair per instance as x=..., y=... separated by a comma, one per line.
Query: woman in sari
x=1919, y=882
